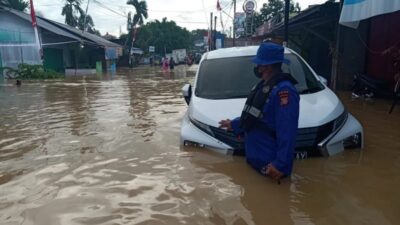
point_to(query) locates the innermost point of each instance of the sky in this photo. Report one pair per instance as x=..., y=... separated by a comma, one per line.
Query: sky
x=109, y=16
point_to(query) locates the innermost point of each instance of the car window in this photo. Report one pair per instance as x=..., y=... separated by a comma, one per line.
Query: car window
x=234, y=77
x=225, y=78
x=307, y=83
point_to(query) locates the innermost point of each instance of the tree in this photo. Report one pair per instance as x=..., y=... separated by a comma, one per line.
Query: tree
x=141, y=12
x=20, y=5
x=276, y=8
x=72, y=11
x=199, y=34
x=164, y=35
x=138, y=17
x=75, y=17
x=87, y=24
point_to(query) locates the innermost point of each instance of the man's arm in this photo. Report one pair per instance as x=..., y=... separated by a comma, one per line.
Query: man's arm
x=286, y=107
x=235, y=126
x=231, y=125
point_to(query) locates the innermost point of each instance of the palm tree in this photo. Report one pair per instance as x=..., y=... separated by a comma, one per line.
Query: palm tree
x=141, y=12
x=138, y=18
x=20, y=5
x=71, y=10
x=85, y=24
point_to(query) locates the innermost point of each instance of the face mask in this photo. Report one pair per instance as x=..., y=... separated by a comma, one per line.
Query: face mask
x=256, y=72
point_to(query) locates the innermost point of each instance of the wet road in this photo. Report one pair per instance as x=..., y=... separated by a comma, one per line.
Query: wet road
x=105, y=150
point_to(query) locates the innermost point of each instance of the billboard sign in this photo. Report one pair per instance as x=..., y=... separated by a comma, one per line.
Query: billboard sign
x=249, y=6
x=239, y=23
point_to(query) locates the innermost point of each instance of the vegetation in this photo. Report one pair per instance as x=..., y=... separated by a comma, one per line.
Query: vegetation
x=87, y=24
x=199, y=34
x=71, y=11
x=75, y=16
x=164, y=35
x=276, y=9
x=140, y=15
x=20, y=5
x=26, y=71
x=137, y=19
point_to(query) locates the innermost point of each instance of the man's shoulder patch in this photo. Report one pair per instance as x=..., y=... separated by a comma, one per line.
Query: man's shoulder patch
x=284, y=97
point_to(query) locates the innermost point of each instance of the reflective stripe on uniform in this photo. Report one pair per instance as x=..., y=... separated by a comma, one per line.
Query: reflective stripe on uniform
x=254, y=112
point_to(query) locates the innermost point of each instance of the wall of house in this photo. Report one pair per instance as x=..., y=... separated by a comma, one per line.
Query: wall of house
x=14, y=32
x=384, y=35
x=352, y=54
x=362, y=50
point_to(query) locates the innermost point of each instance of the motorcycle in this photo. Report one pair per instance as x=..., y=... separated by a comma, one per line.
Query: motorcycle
x=367, y=87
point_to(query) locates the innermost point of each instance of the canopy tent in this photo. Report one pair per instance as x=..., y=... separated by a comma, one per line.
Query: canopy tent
x=356, y=10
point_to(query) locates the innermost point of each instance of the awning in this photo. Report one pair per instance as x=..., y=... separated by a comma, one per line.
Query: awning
x=356, y=10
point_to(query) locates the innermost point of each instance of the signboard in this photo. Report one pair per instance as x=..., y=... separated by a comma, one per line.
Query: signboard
x=111, y=53
x=249, y=6
x=218, y=43
x=239, y=23
x=152, y=49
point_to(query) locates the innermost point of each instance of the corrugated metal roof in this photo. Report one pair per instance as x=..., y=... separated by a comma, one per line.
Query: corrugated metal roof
x=63, y=30
x=88, y=36
x=41, y=23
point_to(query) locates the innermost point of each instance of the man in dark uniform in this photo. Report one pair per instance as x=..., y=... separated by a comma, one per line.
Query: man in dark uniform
x=270, y=116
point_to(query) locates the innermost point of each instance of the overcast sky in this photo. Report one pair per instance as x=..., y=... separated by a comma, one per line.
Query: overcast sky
x=108, y=15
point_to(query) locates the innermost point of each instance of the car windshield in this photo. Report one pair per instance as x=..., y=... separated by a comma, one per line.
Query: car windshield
x=233, y=77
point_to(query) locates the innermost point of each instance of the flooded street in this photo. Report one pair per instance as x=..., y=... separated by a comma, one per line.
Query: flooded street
x=105, y=150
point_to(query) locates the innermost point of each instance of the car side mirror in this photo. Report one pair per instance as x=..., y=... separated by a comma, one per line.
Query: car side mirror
x=323, y=80
x=187, y=92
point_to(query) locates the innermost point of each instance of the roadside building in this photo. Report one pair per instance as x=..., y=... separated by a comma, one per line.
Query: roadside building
x=65, y=49
x=337, y=52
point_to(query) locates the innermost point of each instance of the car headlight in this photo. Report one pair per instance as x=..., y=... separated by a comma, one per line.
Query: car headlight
x=201, y=126
x=340, y=121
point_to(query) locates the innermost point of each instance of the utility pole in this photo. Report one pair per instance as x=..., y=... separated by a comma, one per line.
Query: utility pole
x=35, y=29
x=84, y=20
x=234, y=13
x=286, y=38
x=215, y=32
x=210, y=44
x=335, y=55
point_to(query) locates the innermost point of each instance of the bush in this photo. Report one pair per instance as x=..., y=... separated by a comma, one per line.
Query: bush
x=26, y=71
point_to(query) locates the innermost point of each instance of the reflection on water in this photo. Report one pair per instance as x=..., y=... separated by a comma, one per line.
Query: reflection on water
x=105, y=150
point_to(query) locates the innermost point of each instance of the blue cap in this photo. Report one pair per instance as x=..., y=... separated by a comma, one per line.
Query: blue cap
x=270, y=53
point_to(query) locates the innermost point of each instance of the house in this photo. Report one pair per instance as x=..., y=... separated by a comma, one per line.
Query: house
x=65, y=49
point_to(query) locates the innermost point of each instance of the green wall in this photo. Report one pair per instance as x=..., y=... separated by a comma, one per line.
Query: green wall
x=53, y=59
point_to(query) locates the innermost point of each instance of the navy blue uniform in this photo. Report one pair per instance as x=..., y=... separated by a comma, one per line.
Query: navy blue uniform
x=280, y=113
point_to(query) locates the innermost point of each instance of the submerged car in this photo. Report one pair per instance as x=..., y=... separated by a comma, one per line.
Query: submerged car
x=222, y=83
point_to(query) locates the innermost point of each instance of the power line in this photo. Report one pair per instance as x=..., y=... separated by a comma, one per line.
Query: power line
x=103, y=6
x=189, y=22
x=205, y=13
x=109, y=9
x=174, y=11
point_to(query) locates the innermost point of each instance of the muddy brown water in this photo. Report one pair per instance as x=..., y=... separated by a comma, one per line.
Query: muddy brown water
x=105, y=150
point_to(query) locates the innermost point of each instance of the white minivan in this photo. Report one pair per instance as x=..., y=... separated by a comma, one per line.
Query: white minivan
x=222, y=83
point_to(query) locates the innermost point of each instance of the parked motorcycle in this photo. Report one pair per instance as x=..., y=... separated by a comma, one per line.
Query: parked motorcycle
x=367, y=87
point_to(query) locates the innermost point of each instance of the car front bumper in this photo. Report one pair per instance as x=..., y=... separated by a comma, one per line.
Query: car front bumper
x=333, y=143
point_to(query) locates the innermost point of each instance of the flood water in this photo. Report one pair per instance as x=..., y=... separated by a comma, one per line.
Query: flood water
x=105, y=150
